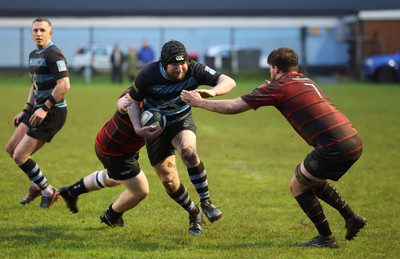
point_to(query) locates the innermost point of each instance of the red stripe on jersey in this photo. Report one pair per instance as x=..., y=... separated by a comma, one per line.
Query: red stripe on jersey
x=327, y=130
x=118, y=137
x=126, y=136
x=340, y=140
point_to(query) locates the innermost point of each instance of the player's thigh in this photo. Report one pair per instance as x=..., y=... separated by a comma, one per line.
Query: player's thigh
x=138, y=183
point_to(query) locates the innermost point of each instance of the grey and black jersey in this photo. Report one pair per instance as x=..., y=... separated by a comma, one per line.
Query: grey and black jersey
x=153, y=87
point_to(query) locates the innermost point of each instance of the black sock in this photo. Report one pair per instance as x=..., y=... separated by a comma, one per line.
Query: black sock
x=77, y=188
x=112, y=214
x=310, y=204
x=181, y=196
x=331, y=196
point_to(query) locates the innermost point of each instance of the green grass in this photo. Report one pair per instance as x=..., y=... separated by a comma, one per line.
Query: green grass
x=249, y=159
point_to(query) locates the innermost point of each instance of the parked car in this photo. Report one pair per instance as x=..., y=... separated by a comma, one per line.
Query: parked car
x=383, y=68
x=217, y=55
x=97, y=57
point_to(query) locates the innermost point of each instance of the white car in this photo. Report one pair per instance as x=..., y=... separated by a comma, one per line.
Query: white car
x=218, y=53
x=97, y=57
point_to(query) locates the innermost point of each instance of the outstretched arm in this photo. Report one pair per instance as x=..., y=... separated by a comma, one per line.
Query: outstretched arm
x=224, y=85
x=228, y=106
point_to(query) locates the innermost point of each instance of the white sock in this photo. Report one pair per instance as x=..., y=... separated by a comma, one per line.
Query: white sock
x=48, y=191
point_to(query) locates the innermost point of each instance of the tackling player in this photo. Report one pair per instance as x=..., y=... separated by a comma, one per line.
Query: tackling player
x=337, y=144
x=117, y=147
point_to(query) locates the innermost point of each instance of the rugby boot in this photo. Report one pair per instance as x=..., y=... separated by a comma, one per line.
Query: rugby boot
x=354, y=225
x=212, y=213
x=32, y=194
x=322, y=241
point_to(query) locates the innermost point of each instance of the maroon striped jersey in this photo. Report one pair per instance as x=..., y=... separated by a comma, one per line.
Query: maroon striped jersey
x=311, y=114
x=118, y=137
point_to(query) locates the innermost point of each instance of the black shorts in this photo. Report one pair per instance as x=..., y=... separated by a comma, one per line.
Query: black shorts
x=52, y=123
x=161, y=147
x=322, y=168
x=120, y=167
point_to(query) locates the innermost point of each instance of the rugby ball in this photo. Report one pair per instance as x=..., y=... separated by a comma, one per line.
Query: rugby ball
x=153, y=116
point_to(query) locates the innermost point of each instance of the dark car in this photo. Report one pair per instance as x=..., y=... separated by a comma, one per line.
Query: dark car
x=383, y=68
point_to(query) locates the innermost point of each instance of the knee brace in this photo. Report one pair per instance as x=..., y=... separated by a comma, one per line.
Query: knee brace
x=301, y=178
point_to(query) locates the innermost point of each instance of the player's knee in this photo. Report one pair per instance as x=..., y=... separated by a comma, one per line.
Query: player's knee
x=171, y=184
x=168, y=182
x=293, y=185
x=9, y=150
x=189, y=157
x=143, y=189
x=143, y=193
x=301, y=180
x=19, y=158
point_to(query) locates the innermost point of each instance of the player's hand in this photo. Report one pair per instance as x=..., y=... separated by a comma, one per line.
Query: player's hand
x=149, y=132
x=37, y=117
x=123, y=103
x=191, y=97
x=19, y=118
x=206, y=93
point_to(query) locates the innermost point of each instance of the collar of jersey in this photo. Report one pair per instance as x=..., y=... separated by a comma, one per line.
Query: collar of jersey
x=162, y=72
x=48, y=46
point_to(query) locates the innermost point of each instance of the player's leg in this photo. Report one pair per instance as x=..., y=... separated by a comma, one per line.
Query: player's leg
x=169, y=177
x=34, y=191
x=26, y=147
x=34, y=139
x=125, y=170
x=185, y=144
x=93, y=182
x=136, y=189
x=301, y=185
x=326, y=192
x=17, y=136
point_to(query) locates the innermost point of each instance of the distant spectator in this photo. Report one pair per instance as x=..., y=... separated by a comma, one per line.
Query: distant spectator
x=146, y=53
x=133, y=65
x=117, y=60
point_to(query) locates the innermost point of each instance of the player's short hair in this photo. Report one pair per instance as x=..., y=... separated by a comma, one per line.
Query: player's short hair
x=172, y=52
x=42, y=19
x=286, y=59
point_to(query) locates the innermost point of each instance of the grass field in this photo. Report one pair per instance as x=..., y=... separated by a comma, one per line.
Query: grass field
x=249, y=159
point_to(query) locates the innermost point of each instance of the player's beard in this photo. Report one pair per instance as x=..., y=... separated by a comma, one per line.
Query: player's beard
x=177, y=76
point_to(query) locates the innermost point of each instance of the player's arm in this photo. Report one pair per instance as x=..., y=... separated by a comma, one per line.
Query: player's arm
x=134, y=115
x=224, y=85
x=31, y=99
x=123, y=103
x=26, y=111
x=60, y=90
x=229, y=106
x=133, y=111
